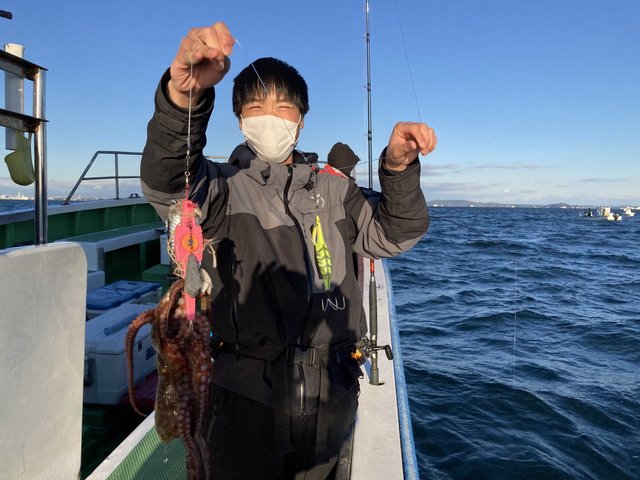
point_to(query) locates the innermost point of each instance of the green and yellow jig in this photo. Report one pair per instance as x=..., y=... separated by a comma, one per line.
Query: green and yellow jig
x=323, y=258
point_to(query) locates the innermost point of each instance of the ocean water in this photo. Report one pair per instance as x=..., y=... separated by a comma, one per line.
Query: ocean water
x=520, y=331
x=15, y=205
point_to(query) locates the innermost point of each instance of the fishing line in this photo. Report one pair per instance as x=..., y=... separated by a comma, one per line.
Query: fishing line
x=186, y=172
x=368, y=85
x=274, y=99
x=515, y=282
x=406, y=55
x=269, y=94
x=515, y=264
x=322, y=255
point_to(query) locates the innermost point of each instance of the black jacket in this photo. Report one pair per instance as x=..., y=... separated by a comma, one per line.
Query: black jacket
x=267, y=287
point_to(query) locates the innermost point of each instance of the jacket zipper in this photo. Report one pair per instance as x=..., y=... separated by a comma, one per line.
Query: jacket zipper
x=302, y=388
x=234, y=305
x=299, y=229
x=307, y=266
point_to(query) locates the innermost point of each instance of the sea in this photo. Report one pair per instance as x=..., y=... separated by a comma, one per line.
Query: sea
x=15, y=205
x=520, y=333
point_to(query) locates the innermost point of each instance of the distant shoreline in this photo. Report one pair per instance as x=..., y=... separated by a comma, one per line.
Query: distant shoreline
x=470, y=204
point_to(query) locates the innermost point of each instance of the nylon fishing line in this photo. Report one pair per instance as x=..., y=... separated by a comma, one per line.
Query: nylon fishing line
x=515, y=264
x=515, y=284
x=271, y=95
x=406, y=56
x=188, y=157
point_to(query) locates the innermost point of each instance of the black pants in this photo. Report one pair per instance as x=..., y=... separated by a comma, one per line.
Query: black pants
x=242, y=440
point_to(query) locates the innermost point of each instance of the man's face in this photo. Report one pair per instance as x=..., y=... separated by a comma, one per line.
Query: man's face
x=272, y=105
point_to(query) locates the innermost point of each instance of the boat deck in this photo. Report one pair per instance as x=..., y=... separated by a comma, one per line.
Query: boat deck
x=144, y=457
x=376, y=443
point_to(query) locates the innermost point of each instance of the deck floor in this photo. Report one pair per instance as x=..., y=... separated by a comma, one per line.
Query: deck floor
x=143, y=456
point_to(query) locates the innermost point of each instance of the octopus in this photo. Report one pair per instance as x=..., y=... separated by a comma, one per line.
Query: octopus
x=184, y=373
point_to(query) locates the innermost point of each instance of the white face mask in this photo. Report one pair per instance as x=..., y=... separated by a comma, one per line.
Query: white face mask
x=271, y=138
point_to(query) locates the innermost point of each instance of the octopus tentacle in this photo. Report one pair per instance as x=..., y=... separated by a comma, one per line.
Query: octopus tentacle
x=194, y=461
x=142, y=319
x=202, y=369
x=200, y=359
x=167, y=307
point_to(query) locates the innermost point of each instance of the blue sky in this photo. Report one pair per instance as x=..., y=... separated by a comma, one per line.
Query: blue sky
x=533, y=102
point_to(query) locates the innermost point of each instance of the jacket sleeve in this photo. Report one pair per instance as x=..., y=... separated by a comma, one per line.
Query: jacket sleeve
x=163, y=165
x=392, y=222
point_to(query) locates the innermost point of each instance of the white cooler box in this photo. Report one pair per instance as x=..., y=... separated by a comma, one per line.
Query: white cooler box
x=105, y=365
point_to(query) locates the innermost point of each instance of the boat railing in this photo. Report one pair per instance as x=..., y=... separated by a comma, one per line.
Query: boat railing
x=116, y=177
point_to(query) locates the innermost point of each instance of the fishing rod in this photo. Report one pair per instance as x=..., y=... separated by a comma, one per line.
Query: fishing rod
x=369, y=128
x=371, y=346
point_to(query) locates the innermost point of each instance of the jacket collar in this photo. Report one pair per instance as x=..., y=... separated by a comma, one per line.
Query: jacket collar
x=304, y=168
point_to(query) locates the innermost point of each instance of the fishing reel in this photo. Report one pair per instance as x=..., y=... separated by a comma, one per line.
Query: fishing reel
x=365, y=348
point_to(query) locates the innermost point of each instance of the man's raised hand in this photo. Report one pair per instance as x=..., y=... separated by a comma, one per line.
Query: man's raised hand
x=406, y=141
x=208, y=49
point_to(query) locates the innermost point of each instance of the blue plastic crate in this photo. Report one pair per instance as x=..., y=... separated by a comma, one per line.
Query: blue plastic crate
x=117, y=293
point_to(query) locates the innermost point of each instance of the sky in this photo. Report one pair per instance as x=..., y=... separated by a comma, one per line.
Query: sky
x=532, y=102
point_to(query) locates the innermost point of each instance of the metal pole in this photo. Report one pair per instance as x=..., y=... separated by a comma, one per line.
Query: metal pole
x=13, y=93
x=117, y=179
x=374, y=377
x=75, y=187
x=41, y=220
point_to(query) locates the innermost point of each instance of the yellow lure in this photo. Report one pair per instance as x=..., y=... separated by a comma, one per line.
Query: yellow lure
x=323, y=258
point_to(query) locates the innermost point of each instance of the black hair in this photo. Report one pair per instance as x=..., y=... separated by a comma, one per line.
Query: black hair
x=278, y=77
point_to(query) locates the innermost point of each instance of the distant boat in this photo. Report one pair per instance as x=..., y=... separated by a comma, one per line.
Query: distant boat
x=605, y=212
x=628, y=211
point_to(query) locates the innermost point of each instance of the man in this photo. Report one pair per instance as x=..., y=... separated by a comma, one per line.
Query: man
x=284, y=318
x=341, y=160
